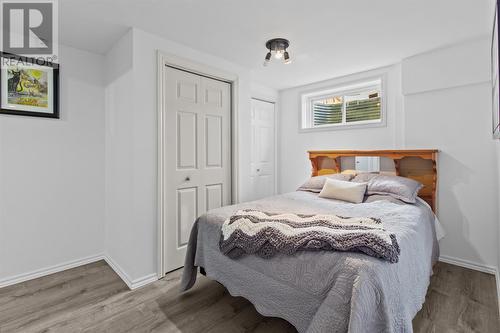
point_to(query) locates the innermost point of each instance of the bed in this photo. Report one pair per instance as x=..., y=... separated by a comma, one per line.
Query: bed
x=325, y=291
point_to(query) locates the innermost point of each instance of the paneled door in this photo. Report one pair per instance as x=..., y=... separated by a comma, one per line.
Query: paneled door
x=263, y=149
x=197, y=155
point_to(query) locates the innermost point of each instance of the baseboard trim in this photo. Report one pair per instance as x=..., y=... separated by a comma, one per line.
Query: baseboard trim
x=137, y=283
x=49, y=270
x=469, y=264
x=132, y=284
x=497, y=275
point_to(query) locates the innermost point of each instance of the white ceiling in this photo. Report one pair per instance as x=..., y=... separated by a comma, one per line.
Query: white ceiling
x=329, y=38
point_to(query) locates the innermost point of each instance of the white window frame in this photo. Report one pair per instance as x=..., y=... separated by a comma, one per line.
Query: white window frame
x=346, y=88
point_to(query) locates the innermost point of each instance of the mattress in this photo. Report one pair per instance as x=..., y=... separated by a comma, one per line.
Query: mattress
x=325, y=291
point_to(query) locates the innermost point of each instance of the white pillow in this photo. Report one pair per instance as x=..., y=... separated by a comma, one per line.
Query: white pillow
x=342, y=190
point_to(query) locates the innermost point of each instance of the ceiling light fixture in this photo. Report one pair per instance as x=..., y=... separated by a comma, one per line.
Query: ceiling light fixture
x=277, y=46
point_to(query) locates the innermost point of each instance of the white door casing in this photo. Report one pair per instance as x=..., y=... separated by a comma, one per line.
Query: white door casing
x=197, y=151
x=263, y=150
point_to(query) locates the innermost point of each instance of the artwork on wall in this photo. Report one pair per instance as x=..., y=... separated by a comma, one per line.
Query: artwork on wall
x=495, y=76
x=28, y=86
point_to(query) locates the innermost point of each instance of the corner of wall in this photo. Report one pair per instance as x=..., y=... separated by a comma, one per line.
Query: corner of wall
x=119, y=59
x=119, y=155
x=131, y=283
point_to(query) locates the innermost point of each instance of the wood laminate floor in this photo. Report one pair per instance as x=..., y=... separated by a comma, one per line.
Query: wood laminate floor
x=92, y=298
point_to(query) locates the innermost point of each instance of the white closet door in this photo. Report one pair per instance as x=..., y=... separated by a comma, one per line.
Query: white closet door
x=263, y=149
x=198, y=155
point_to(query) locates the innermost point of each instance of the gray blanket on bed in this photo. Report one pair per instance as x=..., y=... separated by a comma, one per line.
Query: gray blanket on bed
x=325, y=291
x=251, y=231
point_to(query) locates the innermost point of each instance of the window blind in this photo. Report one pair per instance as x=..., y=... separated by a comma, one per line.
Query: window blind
x=361, y=110
x=325, y=114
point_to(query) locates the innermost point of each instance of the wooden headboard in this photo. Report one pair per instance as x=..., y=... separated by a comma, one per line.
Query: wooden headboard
x=417, y=164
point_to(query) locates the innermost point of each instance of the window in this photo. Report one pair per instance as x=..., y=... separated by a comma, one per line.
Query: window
x=350, y=105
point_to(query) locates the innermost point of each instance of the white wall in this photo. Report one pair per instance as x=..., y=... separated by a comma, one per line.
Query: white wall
x=498, y=219
x=440, y=99
x=52, y=175
x=131, y=146
x=448, y=106
x=265, y=93
x=293, y=145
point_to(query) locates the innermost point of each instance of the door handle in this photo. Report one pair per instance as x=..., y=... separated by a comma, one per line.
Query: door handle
x=187, y=179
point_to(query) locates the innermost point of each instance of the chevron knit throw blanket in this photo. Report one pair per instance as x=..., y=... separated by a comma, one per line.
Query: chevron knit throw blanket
x=264, y=234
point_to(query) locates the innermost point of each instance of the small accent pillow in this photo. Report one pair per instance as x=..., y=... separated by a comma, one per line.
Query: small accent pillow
x=342, y=190
x=315, y=184
x=404, y=189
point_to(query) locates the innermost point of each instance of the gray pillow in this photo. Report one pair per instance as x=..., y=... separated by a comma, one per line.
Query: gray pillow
x=401, y=188
x=364, y=177
x=315, y=184
x=381, y=197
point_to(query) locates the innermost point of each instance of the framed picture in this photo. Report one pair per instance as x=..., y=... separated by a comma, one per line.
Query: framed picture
x=28, y=86
x=495, y=75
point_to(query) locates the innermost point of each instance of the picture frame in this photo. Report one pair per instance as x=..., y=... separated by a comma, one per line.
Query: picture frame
x=495, y=67
x=28, y=86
